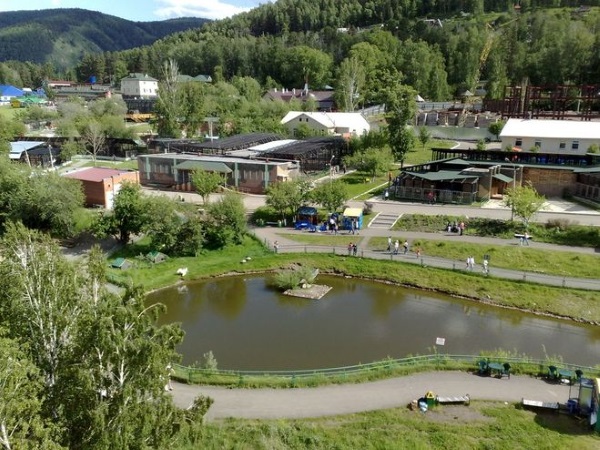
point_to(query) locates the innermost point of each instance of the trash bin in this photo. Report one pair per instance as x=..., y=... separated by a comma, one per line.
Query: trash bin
x=430, y=398
x=573, y=405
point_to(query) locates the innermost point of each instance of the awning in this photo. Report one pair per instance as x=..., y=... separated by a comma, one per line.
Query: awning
x=209, y=166
x=502, y=177
x=353, y=212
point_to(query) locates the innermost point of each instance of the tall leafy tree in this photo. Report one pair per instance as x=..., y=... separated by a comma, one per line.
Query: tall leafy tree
x=373, y=161
x=129, y=215
x=524, y=202
x=226, y=221
x=401, y=107
x=205, y=183
x=330, y=194
x=350, y=84
x=168, y=107
x=287, y=197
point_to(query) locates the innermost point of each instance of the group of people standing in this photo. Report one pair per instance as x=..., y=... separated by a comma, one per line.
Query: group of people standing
x=485, y=265
x=394, y=247
x=352, y=249
x=456, y=227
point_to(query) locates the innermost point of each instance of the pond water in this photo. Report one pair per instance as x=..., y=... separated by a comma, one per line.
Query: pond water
x=248, y=325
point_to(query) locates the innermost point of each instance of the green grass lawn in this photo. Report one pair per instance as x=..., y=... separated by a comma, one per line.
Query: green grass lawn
x=509, y=257
x=420, y=155
x=481, y=425
x=359, y=184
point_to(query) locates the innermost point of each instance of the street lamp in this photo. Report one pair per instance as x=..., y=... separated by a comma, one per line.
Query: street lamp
x=512, y=206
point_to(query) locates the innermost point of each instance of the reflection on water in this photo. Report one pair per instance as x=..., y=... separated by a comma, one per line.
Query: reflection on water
x=248, y=325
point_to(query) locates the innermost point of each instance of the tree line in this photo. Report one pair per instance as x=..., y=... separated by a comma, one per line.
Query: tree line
x=544, y=46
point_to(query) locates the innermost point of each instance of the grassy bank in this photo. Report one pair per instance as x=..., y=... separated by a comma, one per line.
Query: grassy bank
x=489, y=425
x=560, y=232
x=530, y=259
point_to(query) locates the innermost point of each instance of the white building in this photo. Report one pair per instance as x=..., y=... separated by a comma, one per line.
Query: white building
x=344, y=124
x=566, y=137
x=139, y=85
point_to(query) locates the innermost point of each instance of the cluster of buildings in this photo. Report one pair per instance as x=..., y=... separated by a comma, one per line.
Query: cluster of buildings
x=558, y=158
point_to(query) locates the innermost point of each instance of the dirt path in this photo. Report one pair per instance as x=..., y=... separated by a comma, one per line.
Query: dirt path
x=353, y=398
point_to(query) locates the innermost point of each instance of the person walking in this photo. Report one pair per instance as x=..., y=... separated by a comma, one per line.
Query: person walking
x=396, y=247
x=486, y=268
x=418, y=252
x=386, y=194
x=389, y=247
x=526, y=239
x=405, y=245
x=355, y=249
x=350, y=248
x=461, y=228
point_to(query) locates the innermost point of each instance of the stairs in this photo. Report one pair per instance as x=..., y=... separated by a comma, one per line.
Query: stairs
x=384, y=220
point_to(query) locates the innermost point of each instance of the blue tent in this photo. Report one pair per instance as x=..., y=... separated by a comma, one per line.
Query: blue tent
x=7, y=91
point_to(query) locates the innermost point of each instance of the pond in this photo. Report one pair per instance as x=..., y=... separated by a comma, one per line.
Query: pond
x=248, y=325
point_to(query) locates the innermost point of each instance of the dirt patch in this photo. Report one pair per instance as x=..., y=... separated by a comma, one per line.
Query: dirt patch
x=456, y=414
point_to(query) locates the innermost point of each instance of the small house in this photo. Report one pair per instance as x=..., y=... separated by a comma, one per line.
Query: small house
x=156, y=257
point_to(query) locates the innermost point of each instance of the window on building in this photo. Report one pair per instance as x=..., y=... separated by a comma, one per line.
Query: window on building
x=575, y=145
x=537, y=143
x=518, y=142
x=562, y=145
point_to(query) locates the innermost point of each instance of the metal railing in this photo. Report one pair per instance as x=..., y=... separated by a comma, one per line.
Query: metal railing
x=436, y=361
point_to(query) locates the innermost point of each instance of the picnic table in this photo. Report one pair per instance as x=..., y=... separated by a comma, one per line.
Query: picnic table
x=565, y=374
x=499, y=369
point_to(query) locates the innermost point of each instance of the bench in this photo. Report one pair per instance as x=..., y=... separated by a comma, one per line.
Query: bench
x=554, y=406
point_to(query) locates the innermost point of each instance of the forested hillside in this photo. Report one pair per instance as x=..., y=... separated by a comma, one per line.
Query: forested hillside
x=63, y=35
x=293, y=41
x=368, y=44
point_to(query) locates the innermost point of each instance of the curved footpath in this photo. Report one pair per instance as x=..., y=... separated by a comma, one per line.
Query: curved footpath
x=269, y=235
x=353, y=398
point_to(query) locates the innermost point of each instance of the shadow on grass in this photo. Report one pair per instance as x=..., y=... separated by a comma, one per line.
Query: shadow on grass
x=570, y=424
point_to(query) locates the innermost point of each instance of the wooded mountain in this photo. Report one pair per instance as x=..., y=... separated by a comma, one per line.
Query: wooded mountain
x=62, y=36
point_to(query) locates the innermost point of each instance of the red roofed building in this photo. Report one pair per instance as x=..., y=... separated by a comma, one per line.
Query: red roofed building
x=101, y=184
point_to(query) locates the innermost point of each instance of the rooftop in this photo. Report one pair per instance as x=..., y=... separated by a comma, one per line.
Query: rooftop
x=544, y=128
x=96, y=174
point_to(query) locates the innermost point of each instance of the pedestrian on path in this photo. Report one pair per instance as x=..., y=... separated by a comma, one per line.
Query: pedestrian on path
x=461, y=228
x=418, y=252
x=486, y=268
x=470, y=262
x=405, y=247
x=350, y=248
x=355, y=249
x=396, y=247
x=526, y=239
x=389, y=247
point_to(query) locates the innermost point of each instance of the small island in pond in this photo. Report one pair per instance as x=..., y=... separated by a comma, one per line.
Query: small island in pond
x=299, y=282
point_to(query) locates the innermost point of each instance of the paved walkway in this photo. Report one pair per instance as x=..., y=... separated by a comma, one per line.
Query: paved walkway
x=353, y=398
x=270, y=235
